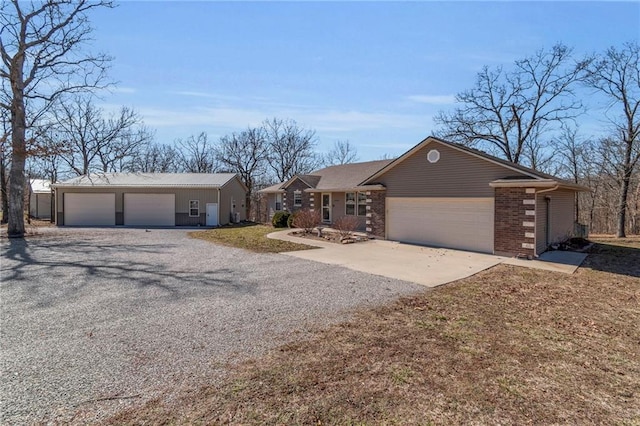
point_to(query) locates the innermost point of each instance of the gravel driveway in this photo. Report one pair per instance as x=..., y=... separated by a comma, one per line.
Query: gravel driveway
x=92, y=320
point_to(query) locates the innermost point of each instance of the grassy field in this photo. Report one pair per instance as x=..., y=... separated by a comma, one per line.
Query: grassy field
x=250, y=237
x=506, y=346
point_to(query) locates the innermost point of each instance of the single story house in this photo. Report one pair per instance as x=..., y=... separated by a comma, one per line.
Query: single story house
x=150, y=199
x=441, y=194
x=40, y=198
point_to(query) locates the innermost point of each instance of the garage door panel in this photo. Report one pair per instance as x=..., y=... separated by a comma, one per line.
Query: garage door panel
x=461, y=223
x=90, y=209
x=149, y=209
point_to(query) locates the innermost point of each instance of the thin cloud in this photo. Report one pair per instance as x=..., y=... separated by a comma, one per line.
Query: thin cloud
x=240, y=118
x=123, y=90
x=433, y=99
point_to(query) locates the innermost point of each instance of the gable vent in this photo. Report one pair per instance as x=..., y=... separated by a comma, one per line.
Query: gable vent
x=433, y=156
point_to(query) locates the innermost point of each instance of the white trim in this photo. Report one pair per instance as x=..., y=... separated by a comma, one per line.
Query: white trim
x=528, y=246
x=329, y=207
x=530, y=212
x=529, y=235
x=190, y=208
x=528, y=202
x=528, y=224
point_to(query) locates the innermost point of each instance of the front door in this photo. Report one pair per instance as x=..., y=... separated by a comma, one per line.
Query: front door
x=326, y=208
x=212, y=214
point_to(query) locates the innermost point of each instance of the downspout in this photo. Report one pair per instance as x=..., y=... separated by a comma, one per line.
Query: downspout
x=548, y=218
x=219, y=202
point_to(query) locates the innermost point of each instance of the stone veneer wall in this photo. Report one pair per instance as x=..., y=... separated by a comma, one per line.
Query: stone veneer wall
x=515, y=221
x=376, y=213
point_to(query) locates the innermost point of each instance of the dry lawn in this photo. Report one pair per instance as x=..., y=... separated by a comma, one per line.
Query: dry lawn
x=250, y=237
x=507, y=346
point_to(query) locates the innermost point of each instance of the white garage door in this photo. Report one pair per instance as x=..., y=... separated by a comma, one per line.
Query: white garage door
x=90, y=209
x=150, y=209
x=460, y=223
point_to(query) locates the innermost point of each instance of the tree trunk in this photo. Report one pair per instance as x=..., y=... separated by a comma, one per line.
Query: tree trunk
x=3, y=189
x=622, y=205
x=15, y=228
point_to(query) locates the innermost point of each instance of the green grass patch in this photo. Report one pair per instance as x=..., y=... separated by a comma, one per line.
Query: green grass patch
x=249, y=237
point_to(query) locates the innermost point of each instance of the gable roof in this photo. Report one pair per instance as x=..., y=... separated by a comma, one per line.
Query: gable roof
x=155, y=180
x=529, y=173
x=347, y=175
x=334, y=178
x=40, y=186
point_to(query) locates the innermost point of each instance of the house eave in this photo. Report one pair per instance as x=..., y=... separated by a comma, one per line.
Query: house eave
x=360, y=188
x=536, y=183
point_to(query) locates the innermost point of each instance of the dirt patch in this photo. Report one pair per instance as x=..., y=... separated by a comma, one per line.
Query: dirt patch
x=507, y=346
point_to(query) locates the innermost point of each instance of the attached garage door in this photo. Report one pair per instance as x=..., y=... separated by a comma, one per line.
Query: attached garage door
x=90, y=209
x=150, y=209
x=460, y=223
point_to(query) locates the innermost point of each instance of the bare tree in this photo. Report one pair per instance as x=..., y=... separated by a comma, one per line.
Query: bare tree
x=155, y=158
x=291, y=148
x=507, y=111
x=196, y=154
x=41, y=46
x=574, y=156
x=616, y=74
x=341, y=153
x=87, y=141
x=244, y=153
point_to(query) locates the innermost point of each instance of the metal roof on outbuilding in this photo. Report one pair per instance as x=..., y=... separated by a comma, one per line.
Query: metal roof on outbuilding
x=152, y=180
x=40, y=186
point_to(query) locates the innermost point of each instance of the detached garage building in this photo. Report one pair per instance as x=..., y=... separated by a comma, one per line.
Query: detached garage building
x=150, y=199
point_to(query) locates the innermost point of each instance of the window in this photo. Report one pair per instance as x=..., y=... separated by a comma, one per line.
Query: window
x=362, y=204
x=194, y=208
x=350, y=203
x=278, y=202
x=355, y=203
x=297, y=199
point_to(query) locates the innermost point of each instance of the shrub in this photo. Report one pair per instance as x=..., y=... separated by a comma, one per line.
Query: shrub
x=346, y=225
x=307, y=220
x=279, y=219
x=290, y=220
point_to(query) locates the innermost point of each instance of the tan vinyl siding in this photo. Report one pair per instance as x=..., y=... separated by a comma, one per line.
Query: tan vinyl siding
x=183, y=195
x=456, y=174
x=232, y=194
x=562, y=214
x=339, y=209
x=541, y=224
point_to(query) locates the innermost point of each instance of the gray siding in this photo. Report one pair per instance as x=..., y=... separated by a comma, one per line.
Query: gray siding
x=456, y=174
x=183, y=196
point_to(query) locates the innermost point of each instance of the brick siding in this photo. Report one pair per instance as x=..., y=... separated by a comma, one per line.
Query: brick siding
x=287, y=197
x=513, y=226
x=376, y=213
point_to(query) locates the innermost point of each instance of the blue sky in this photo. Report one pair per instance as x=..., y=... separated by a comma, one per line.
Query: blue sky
x=373, y=73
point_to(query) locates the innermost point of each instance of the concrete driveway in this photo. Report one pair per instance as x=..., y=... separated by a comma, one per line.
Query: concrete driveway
x=422, y=265
x=92, y=320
